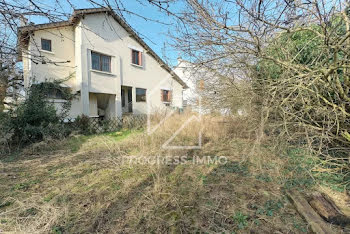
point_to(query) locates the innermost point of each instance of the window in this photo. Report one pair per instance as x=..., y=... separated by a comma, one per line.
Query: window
x=55, y=93
x=136, y=57
x=100, y=62
x=166, y=95
x=52, y=92
x=46, y=44
x=140, y=95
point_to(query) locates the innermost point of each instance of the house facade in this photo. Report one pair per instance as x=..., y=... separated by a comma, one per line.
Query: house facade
x=101, y=59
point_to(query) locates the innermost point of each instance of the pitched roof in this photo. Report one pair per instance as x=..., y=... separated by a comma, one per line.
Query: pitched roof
x=75, y=18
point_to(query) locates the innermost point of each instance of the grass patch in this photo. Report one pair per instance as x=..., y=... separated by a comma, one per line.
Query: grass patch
x=236, y=167
x=76, y=142
x=123, y=134
x=4, y=204
x=25, y=185
x=29, y=212
x=304, y=170
x=336, y=181
x=241, y=220
x=270, y=207
x=81, y=186
x=11, y=157
x=263, y=177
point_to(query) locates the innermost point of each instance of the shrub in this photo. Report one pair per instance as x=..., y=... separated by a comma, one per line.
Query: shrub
x=36, y=118
x=82, y=125
x=6, y=132
x=303, y=86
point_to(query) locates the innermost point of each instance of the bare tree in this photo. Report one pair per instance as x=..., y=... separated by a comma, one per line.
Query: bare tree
x=294, y=54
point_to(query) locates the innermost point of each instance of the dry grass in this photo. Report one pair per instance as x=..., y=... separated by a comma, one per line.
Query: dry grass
x=80, y=185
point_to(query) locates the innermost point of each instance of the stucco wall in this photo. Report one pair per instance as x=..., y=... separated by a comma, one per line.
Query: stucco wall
x=188, y=74
x=75, y=109
x=57, y=64
x=100, y=33
x=93, y=105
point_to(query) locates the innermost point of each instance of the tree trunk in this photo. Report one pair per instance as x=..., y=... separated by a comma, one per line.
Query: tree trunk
x=3, y=88
x=326, y=208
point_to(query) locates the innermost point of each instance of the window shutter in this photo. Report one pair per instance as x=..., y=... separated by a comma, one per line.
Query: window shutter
x=169, y=96
x=201, y=85
x=140, y=58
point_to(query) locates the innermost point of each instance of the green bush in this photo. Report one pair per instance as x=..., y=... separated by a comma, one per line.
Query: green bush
x=82, y=125
x=36, y=118
x=6, y=132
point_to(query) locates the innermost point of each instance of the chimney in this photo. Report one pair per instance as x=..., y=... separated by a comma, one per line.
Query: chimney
x=23, y=21
x=179, y=60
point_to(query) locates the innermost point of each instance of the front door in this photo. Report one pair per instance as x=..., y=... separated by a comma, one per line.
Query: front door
x=129, y=99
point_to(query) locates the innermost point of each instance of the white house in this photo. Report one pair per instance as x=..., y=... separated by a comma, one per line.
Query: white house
x=196, y=79
x=109, y=66
x=203, y=87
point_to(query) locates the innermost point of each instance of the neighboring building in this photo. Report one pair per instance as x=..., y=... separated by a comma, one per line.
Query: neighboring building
x=195, y=80
x=184, y=70
x=202, y=95
x=109, y=66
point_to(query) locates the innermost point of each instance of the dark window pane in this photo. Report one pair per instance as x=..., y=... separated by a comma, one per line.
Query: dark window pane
x=95, y=58
x=123, y=98
x=106, y=63
x=51, y=93
x=57, y=93
x=100, y=62
x=46, y=44
x=140, y=95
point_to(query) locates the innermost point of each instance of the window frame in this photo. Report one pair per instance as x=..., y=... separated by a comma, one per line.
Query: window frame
x=100, y=62
x=46, y=40
x=145, y=95
x=139, y=58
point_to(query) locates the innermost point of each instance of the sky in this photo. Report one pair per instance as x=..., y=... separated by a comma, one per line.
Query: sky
x=153, y=33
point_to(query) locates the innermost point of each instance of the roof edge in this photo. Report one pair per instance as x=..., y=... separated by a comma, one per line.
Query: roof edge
x=77, y=14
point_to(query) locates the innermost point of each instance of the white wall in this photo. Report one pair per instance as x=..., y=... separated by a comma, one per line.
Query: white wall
x=100, y=33
x=75, y=109
x=63, y=50
x=188, y=74
x=62, y=43
x=93, y=105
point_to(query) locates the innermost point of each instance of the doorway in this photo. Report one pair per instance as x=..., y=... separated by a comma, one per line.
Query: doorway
x=126, y=97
